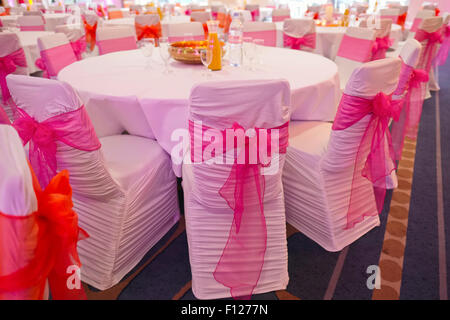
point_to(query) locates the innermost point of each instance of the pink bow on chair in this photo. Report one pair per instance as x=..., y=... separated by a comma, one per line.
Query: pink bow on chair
x=72, y=128
x=434, y=38
x=41, y=65
x=8, y=64
x=79, y=46
x=308, y=40
x=380, y=47
x=441, y=56
x=244, y=193
x=375, y=166
x=255, y=14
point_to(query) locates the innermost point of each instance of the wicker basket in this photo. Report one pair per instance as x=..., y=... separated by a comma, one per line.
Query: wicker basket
x=188, y=51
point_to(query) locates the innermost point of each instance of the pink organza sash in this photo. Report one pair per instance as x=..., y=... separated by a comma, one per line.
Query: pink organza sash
x=54, y=59
x=113, y=45
x=279, y=18
x=355, y=49
x=432, y=41
x=79, y=46
x=182, y=38
x=380, y=47
x=8, y=64
x=32, y=28
x=255, y=14
x=412, y=82
x=71, y=128
x=308, y=40
x=416, y=24
x=4, y=117
x=269, y=36
x=441, y=56
x=373, y=164
x=244, y=186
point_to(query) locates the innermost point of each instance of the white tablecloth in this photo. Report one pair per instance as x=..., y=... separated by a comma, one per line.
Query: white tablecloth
x=314, y=84
x=28, y=39
x=328, y=39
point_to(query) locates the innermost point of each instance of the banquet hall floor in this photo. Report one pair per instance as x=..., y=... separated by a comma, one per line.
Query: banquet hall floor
x=411, y=247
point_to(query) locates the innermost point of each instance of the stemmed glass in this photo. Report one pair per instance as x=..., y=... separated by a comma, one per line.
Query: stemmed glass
x=258, y=48
x=146, y=45
x=249, y=50
x=164, y=53
x=206, y=57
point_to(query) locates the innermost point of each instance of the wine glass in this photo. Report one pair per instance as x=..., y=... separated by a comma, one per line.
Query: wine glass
x=249, y=50
x=164, y=53
x=146, y=45
x=258, y=48
x=206, y=57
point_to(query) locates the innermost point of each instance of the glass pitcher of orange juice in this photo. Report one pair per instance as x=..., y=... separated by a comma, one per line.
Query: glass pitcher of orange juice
x=214, y=45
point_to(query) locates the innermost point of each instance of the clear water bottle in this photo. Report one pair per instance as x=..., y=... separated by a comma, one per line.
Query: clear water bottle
x=235, y=40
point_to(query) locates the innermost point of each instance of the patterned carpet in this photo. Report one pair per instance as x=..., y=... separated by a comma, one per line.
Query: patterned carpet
x=410, y=246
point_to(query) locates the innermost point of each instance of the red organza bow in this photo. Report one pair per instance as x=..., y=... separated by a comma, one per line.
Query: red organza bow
x=79, y=46
x=437, y=11
x=72, y=128
x=8, y=64
x=401, y=20
x=308, y=40
x=148, y=31
x=54, y=248
x=91, y=32
x=372, y=165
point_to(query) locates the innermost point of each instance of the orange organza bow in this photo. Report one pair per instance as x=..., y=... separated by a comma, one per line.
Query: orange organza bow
x=401, y=20
x=54, y=246
x=91, y=32
x=148, y=31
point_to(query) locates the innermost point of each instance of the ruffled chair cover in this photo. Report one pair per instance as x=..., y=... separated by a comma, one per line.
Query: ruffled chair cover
x=124, y=193
x=410, y=89
x=321, y=182
x=225, y=225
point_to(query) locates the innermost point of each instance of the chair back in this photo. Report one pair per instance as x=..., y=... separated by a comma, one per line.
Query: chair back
x=31, y=23
x=422, y=14
x=391, y=14
x=114, y=39
x=201, y=16
x=179, y=31
x=115, y=13
x=56, y=53
x=266, y=31
x=294, y=29
x=281, y=14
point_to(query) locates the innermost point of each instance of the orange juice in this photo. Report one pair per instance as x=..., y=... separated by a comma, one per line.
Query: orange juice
x=214, y=45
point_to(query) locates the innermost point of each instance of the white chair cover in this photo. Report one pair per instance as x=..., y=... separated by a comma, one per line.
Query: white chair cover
x=317, y=176
x=124, y=193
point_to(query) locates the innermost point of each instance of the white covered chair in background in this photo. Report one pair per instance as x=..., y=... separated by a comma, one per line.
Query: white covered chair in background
x=300, y=34
x=76, y=37
x=114, y=39
x=320, y=165
x=125, y=193
x=391, y=14
x=31, y=23
x=422, y=14
x=354, y=50
x=266, y=31
x=56, y=53
x=201, y=16
x=208, y=215
x=281, y=14
x=185, y=31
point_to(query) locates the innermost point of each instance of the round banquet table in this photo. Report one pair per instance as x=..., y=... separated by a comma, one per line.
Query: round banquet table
x=328, y=39
x=28, y=39
x=119, y=77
